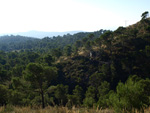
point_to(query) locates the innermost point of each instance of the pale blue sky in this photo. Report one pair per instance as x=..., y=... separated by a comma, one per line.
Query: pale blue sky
x=69, y=15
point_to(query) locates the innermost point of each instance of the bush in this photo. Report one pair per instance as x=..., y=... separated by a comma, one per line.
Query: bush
x=130, y=96
x=89, y=102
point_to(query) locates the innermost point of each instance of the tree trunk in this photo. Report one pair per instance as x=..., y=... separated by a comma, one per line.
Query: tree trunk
x=42, y=94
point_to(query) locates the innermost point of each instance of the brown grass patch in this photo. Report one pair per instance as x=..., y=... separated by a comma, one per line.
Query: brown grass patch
x=49, y=109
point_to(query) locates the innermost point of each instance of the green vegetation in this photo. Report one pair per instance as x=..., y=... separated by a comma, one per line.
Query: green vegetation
x=99, y=70
x=145, y=15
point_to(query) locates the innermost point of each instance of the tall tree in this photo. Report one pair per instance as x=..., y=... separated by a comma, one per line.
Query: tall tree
x=61, y=93
x=78, y=93
x=145, y=15
x=90, y=97
x=40, y=77
x=68, y=50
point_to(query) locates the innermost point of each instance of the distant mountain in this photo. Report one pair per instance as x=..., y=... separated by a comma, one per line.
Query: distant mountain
x=42, y=34
x=15, y=39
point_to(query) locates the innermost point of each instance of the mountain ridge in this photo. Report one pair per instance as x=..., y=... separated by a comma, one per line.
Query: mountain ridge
x=41, y=34
x=12, y=42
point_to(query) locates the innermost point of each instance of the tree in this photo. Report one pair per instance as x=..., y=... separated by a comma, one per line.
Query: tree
x=96, y=79
x=68, y=50
x=61, y=93
x=91, y=36
x=3, y=95
x=19, y=92
x=89, y=100
x=17, y=70
x=85, y=39
x=103, y=94
x=88, y=45
x=40, y=77
x=78, y=93
x=3, y=75
x=76, y=98
x=145, y=15
x=56, y=52
x=131, y=95
x=106, y=71
x=33, y=56
x=147, y=50
x=107, y=39
x=78, y=43
x=16, y=83
x=48, y=59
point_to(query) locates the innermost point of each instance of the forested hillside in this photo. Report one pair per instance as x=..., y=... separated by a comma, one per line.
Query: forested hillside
x=12, y=43
x=104, y=69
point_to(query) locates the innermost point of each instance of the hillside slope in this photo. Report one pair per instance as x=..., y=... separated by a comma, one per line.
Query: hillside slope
x=15, y=39
x=112, y=57
x=100, y=69
x=12, y=43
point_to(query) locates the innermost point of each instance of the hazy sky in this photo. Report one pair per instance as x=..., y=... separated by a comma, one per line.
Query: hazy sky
x=69, y=15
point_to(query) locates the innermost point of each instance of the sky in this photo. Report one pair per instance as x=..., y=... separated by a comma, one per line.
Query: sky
x=69, y=15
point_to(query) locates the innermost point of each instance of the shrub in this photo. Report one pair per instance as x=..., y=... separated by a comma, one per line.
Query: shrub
x=130, y=96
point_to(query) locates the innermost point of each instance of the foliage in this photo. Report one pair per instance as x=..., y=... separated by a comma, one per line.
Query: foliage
x=3, y=95
x=130, y=96
x=103, y=95
x=61, y=94
x=90, y=97
x=144, y=15
x=40, y=77
x=77, y=97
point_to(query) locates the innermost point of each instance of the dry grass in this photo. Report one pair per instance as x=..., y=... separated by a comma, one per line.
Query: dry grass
x=147, y=110
x=49, y=109
x=12, y=109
